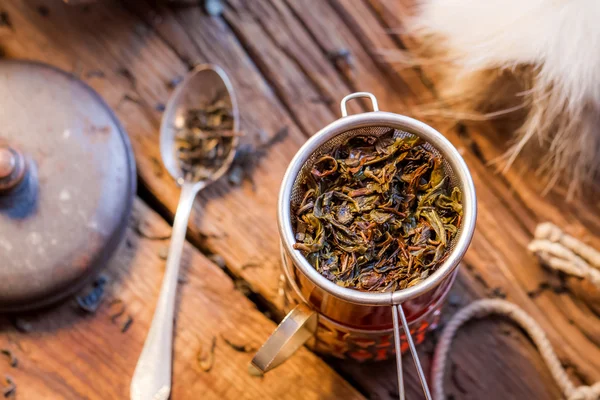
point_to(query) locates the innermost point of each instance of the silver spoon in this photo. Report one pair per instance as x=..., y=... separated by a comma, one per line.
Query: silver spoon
x=152, y=376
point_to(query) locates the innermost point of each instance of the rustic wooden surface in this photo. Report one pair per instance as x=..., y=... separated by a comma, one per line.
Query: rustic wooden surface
x=70, y=355
x=278, y=54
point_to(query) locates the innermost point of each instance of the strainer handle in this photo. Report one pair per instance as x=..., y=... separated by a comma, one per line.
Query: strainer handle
x=398, y=311
x=355, y=96
x=296, y=328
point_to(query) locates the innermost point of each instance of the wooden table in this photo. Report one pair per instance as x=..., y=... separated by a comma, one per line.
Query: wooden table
x=280, y=55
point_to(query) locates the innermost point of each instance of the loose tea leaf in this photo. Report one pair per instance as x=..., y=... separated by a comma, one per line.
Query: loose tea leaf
x=342, y=59
x=91, y=301
x=43, y=11
x=21, y=325
x=219, y=260
x=204, y=139
x=163, y=253
x=121, y=309
x=5, y=20
x=12, y=359
x=10, y=389
x=249, y=155
x=378, y=213
x=127, y=324
x=239, y=347
x=206, y=360
x=251, y=265
x=213, y=7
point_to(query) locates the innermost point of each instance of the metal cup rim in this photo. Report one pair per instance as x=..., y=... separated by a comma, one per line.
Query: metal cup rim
x=410, y=125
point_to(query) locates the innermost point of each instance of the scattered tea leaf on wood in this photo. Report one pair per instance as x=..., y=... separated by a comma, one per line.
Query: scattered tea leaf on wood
x=43, y=11
x=239, y=347
x=213, y=7
x=5, y=20
x=10, y=389
x=163, y=253
x=95, y=73
x=12, y=359
x=251, y=265
x=206, y=359
x=342, y=59
x=119, y=306
x=541, y=288
x=21, y=325
x=204, y=139
x=172, y=84
x=378, y=213
x=92, y=300
x=145, y=230
x=219, y=260
x=498, y=292
x=243, y=287
x=127, y=324
x=249, y=155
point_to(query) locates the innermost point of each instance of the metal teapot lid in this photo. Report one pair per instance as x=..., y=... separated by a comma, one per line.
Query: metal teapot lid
x=67, y=181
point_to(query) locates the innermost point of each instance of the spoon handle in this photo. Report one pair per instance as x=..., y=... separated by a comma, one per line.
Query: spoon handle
x=152, y=376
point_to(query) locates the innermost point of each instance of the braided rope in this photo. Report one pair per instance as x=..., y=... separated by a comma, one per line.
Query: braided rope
x=558, y=251
x=485, y=307
x=557, y=256
x=553, y=233
x=565, y=253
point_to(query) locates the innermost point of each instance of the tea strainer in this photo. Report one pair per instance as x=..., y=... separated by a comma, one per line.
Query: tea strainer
x=375, y=123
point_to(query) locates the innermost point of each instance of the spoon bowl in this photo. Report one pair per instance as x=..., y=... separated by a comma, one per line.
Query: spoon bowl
x=203, y=84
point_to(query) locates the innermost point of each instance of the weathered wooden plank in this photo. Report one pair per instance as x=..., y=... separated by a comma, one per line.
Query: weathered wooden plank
x=303, y=76
x=72, y=355
x=250, y=234
x=369, y=71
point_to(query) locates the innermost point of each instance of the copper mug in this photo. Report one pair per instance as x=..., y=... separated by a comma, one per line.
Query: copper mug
x=345, y=322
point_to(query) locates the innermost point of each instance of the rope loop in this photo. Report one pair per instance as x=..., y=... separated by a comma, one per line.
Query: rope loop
x=586, y=393
x=558, y=251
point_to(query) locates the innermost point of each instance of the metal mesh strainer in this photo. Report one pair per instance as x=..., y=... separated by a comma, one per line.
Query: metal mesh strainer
x=376, y=124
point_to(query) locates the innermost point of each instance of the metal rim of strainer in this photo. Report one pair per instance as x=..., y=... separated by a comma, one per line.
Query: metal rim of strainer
x=398, y=122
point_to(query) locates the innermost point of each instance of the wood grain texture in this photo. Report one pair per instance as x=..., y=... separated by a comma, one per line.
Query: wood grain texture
x=72, y=355
x=278, y=54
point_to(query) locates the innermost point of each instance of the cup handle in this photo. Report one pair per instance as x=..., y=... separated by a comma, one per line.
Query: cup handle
x=296, y=328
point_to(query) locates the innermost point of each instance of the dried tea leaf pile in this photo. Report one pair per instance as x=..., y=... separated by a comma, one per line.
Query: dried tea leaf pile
x=378, y=213
x=205, y=139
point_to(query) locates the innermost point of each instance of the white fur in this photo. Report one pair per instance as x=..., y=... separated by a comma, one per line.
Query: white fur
x=559, y=38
